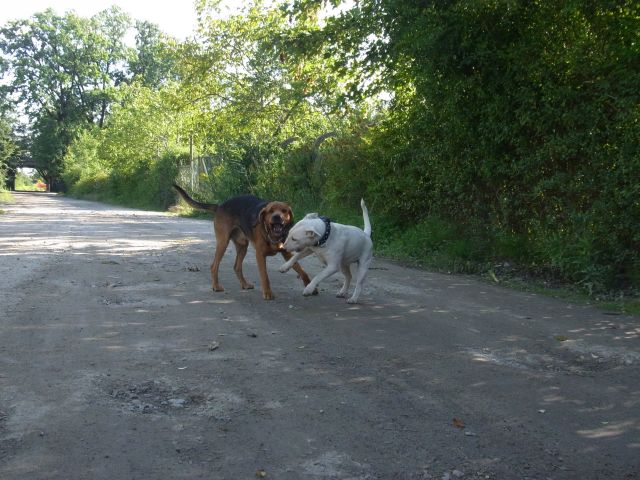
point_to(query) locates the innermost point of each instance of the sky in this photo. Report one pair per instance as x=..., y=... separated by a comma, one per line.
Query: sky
x=177, y=18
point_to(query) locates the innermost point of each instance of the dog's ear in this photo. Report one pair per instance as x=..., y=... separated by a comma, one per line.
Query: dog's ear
x=313, y=232
x=262, y=214
x=260, y=218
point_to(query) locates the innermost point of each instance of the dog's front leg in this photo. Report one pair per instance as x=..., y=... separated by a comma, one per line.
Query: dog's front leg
x=261, y=260
x=297, y=267
x=329, y=270
x=292, y=259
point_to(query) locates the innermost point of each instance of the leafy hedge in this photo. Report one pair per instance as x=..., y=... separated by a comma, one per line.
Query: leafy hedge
x=518, y=124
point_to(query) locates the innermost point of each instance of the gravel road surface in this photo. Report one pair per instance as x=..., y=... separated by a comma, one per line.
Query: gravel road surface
x=117, y=361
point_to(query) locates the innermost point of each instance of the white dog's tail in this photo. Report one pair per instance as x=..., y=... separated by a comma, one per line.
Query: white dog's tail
x=365, y=215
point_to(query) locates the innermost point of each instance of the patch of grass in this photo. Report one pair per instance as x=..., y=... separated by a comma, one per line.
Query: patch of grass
x=630, y=306
x=435, y=244
x=519, y=279
x=183, y=210
x=441, y=246
x=5, y=197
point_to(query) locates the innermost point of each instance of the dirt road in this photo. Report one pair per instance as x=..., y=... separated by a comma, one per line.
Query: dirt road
x=117, y=361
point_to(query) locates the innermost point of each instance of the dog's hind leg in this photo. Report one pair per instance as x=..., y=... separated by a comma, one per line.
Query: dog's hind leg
x=241, y=252
x=222, y=241
x=363, y=268
x=346, y=271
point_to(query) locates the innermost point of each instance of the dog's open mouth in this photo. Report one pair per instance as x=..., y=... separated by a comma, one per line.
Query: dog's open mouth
x=277, y=229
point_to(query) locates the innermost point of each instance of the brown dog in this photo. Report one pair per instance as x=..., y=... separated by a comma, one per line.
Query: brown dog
x=243, y=220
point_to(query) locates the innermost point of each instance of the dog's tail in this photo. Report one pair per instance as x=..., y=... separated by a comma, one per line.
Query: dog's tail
x=209, y=207
x=365, y=215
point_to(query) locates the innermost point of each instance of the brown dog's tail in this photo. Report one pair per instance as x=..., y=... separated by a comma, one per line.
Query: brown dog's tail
x=209, y=207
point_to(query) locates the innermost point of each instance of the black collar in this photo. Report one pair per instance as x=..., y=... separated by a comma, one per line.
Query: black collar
x=327, y=231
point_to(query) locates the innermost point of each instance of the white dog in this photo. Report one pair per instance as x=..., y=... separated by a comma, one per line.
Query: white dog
x=337, y=246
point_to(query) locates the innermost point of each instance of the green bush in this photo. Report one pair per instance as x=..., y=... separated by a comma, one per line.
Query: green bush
x=439, y=244
x=525, y=135
x=148, y=186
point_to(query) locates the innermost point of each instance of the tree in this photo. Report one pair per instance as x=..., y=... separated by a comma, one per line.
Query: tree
x=8, y=147
x=109, y=55
x=63, y=70
x=154, y=61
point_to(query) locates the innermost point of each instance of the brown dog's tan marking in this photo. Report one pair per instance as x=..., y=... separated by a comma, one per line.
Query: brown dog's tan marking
x=243, y=220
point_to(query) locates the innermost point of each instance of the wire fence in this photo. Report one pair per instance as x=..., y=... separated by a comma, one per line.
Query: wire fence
x=192, y=174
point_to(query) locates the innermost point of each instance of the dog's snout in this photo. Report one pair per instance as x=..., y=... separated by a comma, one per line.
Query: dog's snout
x=276, y=217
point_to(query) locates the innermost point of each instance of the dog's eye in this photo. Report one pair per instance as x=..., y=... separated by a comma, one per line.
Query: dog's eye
x=293, y=239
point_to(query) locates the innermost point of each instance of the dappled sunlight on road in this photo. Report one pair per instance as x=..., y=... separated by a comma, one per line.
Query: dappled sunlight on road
x=99, y=245
x=38, y=229
x=613, y=429
x=55, y=227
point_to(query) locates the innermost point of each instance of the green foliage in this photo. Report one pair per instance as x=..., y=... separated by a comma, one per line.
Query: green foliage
x=8, y=148
x=8, y=144
x=49, y=144
x=31, y=183
x=148, y=186
x=153, y=60
x=64, y=73
x=478, y=132
x=518, y=120
x=135, y=158
x=438, y=244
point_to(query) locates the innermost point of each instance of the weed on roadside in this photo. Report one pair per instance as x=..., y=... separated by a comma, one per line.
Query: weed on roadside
x=525, y=280
x=5, y=197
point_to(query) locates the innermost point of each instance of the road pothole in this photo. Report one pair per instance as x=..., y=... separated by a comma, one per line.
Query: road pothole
x=152, y=396
x=157, y=397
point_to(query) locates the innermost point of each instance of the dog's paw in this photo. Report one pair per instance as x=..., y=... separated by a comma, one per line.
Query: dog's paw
x=247, y=286
x=284, y=268
x=217, y=288
x=341, y=294
x=268, y=295
x=352, y=300
x=308, y=291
